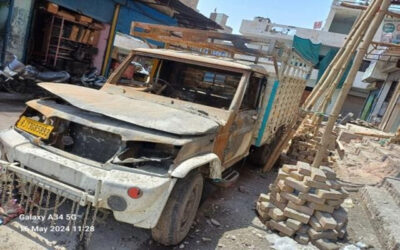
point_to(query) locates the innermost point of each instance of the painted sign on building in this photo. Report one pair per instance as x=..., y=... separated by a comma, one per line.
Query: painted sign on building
x=391, y=31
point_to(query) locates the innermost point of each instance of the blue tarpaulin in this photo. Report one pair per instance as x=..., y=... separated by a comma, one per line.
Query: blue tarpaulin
x=307, y=49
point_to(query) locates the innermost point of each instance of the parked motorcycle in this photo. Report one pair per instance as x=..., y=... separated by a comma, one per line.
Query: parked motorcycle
x=15, y=77
x=91, y=79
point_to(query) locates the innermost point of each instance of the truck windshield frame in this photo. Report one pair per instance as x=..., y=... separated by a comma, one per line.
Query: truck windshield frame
x=181, y=80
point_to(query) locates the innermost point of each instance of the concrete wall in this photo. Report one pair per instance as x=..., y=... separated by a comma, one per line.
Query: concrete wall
x=20, y=20
x=342, y=27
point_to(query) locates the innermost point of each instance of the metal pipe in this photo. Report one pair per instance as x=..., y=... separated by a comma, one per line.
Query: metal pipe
x=110, y=42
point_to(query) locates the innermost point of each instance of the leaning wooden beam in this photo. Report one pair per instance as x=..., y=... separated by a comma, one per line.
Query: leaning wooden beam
x=334, y=67
x=283, y=143
x=374, y=134
x=362, y=50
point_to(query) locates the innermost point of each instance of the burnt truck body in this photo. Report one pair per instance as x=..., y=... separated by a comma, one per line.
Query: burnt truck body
x=141, y=148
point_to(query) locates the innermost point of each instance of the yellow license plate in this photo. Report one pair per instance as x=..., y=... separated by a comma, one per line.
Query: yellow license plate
x=34, y=127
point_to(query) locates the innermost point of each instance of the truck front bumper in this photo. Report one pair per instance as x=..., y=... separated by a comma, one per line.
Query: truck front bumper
x=83, y=183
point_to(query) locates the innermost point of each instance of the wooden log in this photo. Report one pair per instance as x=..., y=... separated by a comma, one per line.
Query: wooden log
x=380, y=7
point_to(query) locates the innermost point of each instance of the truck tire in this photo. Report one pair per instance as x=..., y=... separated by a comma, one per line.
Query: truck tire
x=259, y=155
x=180, y=210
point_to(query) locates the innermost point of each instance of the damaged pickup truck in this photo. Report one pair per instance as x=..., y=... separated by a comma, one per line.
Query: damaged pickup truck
x=142, y=147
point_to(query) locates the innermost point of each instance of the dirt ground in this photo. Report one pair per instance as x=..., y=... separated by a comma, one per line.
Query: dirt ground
x=226, y=219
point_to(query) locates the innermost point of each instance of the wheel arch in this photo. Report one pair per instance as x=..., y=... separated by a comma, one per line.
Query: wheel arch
x=210, y=160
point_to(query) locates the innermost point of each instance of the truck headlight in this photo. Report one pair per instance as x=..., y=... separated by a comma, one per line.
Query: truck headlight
x=137, y=154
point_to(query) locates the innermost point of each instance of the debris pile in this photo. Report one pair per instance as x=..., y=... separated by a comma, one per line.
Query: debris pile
x=305, y=203
x=368, y=161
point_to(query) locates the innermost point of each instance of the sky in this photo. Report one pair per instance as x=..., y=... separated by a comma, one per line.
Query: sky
x=300, y=13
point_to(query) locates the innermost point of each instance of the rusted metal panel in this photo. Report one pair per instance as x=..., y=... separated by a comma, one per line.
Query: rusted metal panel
x=201, y=59
x=216, y=114
x=142, y=113
x=128, y=132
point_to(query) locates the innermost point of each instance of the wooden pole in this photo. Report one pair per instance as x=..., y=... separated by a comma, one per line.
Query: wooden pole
x=362, y=50
x=324, y=81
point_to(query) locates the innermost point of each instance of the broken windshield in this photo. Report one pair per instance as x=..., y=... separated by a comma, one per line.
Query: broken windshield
x=188, y=82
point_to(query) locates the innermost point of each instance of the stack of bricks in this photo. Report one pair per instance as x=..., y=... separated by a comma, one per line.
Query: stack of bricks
x=305, y=203
x=305, y=143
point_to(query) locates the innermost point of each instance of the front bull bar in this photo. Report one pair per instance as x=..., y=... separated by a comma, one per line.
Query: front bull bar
x=35, y=193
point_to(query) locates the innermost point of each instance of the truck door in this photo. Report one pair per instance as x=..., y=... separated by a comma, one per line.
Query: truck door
x=241, y=131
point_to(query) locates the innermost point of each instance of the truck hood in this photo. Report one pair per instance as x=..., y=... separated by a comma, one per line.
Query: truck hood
x=138, y=112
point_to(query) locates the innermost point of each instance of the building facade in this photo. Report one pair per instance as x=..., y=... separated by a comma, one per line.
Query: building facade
x=331, y=37
x=221, y=19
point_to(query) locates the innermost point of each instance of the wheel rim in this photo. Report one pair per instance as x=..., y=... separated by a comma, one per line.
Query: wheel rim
x=191, y=205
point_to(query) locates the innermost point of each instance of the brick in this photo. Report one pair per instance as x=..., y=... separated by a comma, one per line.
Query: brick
x=312, y=198
x=344, y=193
x=273, y=188
x=293, y=224
x=340, y=216
x=278, y=204
x=329, y=234
x=322, y=207
x=314, y=223
x=316, y=184
x=329, y=194
x=334, y=203
x=341, y=233
x=281, y=175
x=293, y=198
x=296, y=175
x=266, y=206
x=288, y=168
x=262, y=213
x=281, y=227
x=329, y=172
x=326, y=220
x=317, y=174
x=284, y=188
x=324, y=244
x=302, y=238
x=304, y=168
x=303, y=229
x=298, y=185
x=280, y=199
x=304, y=209
x=334, y=184
x=276, y=214
x=264, y=197
x=291, y=213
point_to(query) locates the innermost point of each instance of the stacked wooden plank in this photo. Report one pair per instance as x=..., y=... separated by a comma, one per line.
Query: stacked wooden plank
x=305, y=203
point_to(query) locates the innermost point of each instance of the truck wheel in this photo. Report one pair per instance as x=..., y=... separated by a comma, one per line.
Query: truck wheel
x=259, y=155
x=180, y=210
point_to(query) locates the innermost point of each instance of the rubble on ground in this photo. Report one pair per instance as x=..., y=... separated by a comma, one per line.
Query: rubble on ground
x=366, y=160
